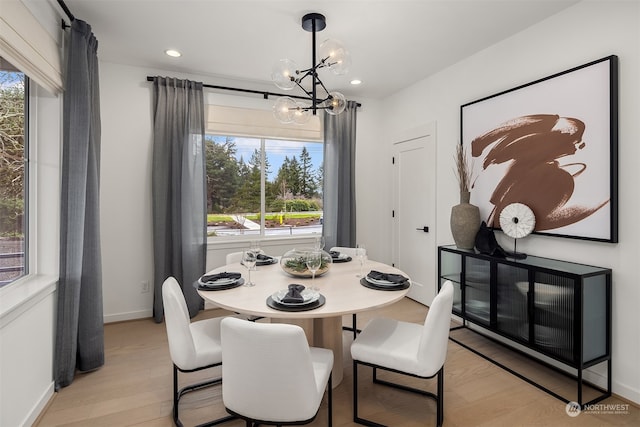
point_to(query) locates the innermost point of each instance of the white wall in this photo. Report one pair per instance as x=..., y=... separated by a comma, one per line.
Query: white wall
x=125, y=201
x=588, y=31
x=125, y=192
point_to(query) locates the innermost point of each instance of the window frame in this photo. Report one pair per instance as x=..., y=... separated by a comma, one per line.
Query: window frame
x=26, y=192
x=263, y=156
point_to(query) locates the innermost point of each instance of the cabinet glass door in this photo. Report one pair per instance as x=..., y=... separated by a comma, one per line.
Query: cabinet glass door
x=512, y=299
x=477, y=286
x=451, y=269
x=553, y=316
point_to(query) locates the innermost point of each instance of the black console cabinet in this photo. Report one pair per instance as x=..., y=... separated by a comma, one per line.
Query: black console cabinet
x=558, y=309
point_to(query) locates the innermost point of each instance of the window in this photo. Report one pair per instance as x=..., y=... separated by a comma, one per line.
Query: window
x=13, y=173
x=263, y=187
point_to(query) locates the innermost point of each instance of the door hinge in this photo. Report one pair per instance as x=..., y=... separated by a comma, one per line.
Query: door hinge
x=393, y=160
x=393, y=214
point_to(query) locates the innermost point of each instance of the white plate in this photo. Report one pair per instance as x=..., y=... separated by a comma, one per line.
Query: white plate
x=220, y=282
x=308, y=296
x=381, y=282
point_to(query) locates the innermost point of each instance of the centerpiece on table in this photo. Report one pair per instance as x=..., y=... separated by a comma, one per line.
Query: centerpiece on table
x=465, y=217
x=294, y=262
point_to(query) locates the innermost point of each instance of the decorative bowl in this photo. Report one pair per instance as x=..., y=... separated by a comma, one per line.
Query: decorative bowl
x=294, y=263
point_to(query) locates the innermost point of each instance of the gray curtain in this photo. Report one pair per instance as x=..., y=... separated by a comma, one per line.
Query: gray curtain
x=178, y=193
x=79, y=328
x=339, y=200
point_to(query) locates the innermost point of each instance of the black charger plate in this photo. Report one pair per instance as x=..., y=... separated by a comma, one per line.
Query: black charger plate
x=298, y=307
x=398, y=287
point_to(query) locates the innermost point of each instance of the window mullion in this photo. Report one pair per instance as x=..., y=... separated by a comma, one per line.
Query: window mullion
x=263, y=192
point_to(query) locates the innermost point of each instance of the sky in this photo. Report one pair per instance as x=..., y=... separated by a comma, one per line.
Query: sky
x=277, y=150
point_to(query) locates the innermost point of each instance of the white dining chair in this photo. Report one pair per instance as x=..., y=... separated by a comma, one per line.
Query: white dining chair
x=193, y=346
x=271, y=375
x=233, y=257
x=354, y=318
x=406, y=348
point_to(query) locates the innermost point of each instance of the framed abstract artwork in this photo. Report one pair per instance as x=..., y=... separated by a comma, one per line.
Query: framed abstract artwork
x=551, y=145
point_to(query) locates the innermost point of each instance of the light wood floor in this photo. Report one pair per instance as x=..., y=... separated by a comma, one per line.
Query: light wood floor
x=134, y=389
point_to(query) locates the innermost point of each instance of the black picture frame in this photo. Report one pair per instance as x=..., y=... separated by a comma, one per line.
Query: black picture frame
x=551, y=144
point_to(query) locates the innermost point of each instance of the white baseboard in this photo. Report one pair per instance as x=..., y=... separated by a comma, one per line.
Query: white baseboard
x=626, y=392
x=39, y=406
x=132, y=315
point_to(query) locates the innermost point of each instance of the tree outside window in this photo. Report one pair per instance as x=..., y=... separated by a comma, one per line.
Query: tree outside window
x=12, y=173
x=238, y=203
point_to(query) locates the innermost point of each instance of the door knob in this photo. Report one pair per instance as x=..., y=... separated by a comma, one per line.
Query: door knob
x=425, y=229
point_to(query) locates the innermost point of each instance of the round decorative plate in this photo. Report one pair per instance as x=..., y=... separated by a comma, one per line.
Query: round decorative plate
x=517, y=220
x=308, y=296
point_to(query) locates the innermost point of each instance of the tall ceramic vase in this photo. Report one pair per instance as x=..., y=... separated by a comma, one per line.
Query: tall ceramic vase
x=465, y=222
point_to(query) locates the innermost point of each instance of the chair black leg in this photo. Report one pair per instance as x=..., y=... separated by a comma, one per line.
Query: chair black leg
x=440, y=399
x=355, y=391
x=330, y=400
x=177, y=394
x=355, y=325
x=176, y=399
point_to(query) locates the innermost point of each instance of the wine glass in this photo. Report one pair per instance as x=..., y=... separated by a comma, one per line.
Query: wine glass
x=319, y=243
x=255, y=248
x=361, y=254
x=314, y=261
x=249, y=260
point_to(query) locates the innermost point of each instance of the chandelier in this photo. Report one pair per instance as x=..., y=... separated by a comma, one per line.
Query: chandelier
x=286, y=75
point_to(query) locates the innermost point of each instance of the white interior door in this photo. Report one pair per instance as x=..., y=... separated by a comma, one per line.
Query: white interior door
x=414, y=212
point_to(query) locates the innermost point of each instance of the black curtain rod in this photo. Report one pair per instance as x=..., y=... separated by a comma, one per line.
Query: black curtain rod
x=67, y=12
x=264, y=94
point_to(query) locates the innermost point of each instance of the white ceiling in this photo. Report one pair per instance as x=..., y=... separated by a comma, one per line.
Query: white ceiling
x=393, y=43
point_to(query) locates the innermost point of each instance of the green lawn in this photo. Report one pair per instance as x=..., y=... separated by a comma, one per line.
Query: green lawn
x=255, y=217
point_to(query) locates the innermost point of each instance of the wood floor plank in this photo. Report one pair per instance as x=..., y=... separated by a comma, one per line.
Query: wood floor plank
x=134, y=388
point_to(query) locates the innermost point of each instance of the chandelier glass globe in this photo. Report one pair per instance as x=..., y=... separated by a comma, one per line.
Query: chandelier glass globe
x=283, y=74
x=336, y=56
x=336, y=104
x=302, y=114
x=284, y=109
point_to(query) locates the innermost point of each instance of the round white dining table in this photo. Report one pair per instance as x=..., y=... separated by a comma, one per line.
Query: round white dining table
x=323, y=325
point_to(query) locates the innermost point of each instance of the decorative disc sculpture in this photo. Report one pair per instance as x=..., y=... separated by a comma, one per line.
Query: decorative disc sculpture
x=517, y=221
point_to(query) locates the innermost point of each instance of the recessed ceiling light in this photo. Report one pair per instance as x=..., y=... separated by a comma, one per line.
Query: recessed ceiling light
x=173, y=53
x=356, y=82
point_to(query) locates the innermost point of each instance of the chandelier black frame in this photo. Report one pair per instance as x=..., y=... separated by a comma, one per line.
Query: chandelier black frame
x=333, y=102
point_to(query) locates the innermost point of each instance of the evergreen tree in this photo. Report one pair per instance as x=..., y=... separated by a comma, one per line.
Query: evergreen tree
x=306, y=179
x=320, y=181
x=247, y=198
x=293, y=177
x=223, y=173
x=281, y=182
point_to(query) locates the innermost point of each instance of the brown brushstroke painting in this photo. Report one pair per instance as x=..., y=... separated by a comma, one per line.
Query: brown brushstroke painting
x=533, y=146
x=552, y=145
